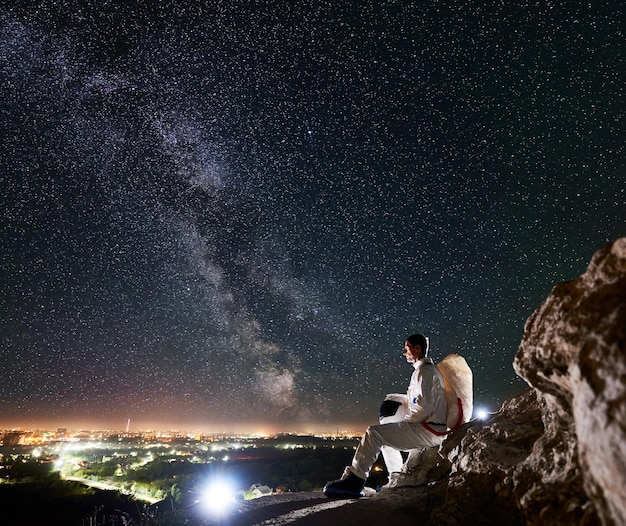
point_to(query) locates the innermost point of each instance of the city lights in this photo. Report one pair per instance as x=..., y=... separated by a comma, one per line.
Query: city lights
x=151, y=466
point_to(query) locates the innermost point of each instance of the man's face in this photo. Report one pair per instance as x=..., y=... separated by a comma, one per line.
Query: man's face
x=412, y=352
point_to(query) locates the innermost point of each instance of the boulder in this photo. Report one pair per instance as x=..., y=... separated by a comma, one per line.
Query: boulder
x=574, y=354
x=484, y=457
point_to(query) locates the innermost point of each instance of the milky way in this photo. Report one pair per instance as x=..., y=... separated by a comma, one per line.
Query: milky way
x=231, y=214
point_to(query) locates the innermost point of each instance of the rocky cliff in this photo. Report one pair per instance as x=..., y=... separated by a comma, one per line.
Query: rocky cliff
x=555, y=454
x=574, y=355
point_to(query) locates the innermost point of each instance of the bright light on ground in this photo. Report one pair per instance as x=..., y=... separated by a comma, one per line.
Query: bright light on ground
x=217, y=497
x=482, y=413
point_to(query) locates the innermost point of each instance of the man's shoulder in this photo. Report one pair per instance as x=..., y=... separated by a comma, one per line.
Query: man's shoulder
x=426, y=362
x=430, y=368
x=425, y=367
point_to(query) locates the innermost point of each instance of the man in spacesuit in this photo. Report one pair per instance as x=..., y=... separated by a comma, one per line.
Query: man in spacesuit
x=424, y=402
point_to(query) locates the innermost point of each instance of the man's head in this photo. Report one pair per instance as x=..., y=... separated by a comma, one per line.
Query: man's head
x=415, y=347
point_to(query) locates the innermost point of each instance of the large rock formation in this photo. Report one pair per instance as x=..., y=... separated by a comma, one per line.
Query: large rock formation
x=574, y=354
x=556, y=454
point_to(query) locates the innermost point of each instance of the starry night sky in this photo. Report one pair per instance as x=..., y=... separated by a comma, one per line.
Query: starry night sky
x=230, y=214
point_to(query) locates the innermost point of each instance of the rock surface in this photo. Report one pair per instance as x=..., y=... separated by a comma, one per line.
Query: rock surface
x=553, y=455
x=574, y=354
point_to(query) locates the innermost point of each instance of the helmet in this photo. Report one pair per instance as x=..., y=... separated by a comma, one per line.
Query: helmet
x=391, y=412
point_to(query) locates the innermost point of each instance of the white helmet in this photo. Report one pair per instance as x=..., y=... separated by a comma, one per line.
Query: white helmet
x=392, y=412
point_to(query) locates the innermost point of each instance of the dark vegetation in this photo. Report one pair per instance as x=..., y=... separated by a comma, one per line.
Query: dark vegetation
x=48, y=500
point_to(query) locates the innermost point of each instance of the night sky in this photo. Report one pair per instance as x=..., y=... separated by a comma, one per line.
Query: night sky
x=228, y=215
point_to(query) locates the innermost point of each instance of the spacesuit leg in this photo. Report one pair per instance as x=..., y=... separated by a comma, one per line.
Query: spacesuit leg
x=401, y=437
x=393, y=459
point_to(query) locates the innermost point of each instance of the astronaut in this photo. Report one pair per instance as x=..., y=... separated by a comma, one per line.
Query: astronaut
x=401, y=429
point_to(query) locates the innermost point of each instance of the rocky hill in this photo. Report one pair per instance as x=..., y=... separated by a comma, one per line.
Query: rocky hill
x=553, y=455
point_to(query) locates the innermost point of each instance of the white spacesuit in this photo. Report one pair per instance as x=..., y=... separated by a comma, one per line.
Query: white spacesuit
x=425, y=401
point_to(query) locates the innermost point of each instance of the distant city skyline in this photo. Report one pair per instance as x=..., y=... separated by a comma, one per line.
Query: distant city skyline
x=38, y=436
x=248, y=429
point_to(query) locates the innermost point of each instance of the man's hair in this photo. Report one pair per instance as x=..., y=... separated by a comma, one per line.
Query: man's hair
x=421, y=340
